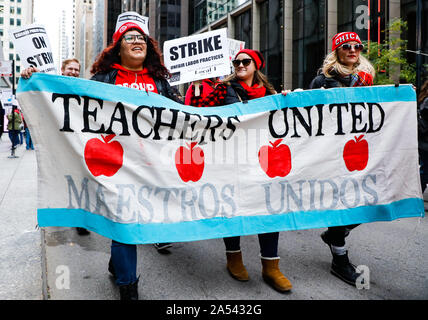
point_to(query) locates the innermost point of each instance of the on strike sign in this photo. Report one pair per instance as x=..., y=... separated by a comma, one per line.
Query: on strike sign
x=32, y=44
x=197, y=57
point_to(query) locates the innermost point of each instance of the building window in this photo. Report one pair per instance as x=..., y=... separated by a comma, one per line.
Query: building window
x=353, y=15
x=12, y=21
x=271, y=41
x=243, y=28
x=199, y=15
x=308, y=40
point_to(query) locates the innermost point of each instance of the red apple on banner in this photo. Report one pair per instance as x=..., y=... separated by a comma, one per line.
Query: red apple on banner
x=275, y=159
x=103, y=157
x=190, y=162
x=356, y=154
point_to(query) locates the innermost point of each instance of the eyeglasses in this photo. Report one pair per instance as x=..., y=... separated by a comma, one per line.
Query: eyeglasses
x=245, y=62
x=347, y=46
x=131, y=38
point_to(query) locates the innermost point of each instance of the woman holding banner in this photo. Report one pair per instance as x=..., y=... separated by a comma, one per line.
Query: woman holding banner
x=246, y=83
x=343, y=67
x=131, y=60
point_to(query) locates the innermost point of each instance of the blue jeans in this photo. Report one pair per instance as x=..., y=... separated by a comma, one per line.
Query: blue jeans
x=28, y=140
x=14, y=137
x=124, y=258
x=268, y=244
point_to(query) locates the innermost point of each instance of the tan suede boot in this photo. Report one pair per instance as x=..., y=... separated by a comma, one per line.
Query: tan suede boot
x=273, y=276
x=236, y=267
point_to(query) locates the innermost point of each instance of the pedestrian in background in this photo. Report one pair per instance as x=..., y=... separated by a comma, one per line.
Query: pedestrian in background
x=132, y=60
x=344, y=66
x=246, y=83
x=1, y=119
x=28, y=141
x=14, y=123
x=423, y=134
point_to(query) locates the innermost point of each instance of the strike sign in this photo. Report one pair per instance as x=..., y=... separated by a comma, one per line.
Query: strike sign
x=32, y=44
x=197, y=57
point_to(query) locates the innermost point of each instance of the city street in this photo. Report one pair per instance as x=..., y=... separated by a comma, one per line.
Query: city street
x=55, y=263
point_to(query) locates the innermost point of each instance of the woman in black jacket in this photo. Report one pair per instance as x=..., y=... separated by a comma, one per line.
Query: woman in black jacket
x=132, y=60
x=343, y=67
x=246, y=83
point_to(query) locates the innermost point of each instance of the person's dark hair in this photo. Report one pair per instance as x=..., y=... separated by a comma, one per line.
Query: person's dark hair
x=153, y=61
x=424, y=92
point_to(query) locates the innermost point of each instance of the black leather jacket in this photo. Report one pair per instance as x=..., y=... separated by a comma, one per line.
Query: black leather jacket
x=162, y=85
x=321, y=81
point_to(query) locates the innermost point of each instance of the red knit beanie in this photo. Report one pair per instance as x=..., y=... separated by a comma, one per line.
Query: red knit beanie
x=344, y=37
x=255, y=55
x=124, y=28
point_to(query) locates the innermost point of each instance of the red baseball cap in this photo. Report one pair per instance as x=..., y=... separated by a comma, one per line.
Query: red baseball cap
x=344, y=37
x=124, y=28
x=255, y=55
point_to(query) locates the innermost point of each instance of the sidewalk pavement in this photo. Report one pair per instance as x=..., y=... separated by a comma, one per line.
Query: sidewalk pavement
x=20, y=241
x=56, y=263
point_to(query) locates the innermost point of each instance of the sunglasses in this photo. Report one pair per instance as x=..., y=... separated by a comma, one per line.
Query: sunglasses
x=131, y=38
x=347, y=46
x=245, y=62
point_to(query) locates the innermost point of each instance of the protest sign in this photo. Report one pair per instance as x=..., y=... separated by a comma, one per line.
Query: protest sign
x=5, y=68
x=234, y=47
x=32, y=45
x=197, y=57
x=140, y=168
x=131, y=16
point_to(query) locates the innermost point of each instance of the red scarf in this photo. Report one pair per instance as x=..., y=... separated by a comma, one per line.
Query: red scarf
x=255, y=91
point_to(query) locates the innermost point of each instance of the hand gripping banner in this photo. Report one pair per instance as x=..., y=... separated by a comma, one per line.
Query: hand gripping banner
x=137, y=167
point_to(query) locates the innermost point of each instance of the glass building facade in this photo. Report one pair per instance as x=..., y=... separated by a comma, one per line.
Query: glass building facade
x=302, y=29
x=308, y=40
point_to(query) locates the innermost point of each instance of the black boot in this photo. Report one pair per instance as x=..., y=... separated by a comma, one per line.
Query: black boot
x=82, y=231
x=111, y=268
x=340, y=266
x=343, y=269
x=129, y=291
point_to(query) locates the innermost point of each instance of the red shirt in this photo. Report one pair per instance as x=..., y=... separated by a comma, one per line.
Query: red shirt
x=140, y=80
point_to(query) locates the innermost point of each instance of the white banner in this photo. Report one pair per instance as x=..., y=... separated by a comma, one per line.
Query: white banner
x=140, y=168
x=33, y=47
x=197, y=57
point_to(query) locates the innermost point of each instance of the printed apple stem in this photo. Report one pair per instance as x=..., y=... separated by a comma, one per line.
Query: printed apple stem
x=277, y=142
x=358, y=139
x=108, y=138
x=192, y=145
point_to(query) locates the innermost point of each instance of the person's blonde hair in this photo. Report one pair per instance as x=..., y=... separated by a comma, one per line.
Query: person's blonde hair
x=332, y=65
x=258, y=78
x=67, y=61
